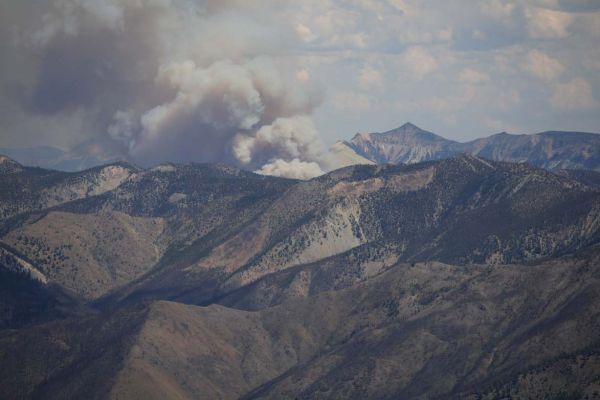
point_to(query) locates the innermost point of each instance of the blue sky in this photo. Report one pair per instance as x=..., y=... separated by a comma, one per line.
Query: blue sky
x=461, y=68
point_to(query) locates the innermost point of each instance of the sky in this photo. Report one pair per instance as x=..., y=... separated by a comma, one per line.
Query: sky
x=269, y=84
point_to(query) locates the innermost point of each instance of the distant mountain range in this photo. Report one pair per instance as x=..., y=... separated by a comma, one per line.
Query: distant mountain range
x=89, y=154
x=459, y=278
x=409, y=144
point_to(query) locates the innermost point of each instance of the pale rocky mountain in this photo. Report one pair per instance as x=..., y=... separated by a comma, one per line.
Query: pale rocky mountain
x=410, y=144
x=407, y=144
x=550, y=150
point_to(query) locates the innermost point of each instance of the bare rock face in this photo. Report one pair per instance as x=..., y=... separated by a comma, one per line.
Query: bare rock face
x=410, y=144
x=458, y=278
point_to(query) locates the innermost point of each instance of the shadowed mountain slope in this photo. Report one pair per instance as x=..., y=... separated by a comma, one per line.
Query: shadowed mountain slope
x=415, y=331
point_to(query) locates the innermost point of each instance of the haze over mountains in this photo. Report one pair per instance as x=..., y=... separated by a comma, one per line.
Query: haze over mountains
x=407, y=144
x=88, y=154
x=454, y=278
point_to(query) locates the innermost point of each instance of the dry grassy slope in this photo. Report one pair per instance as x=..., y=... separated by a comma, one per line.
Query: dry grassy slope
x=294, y=207
x=71, y=359
x=186, y=352
x=566, y=377
x=334, y=273
x=437, y=330
x=203, y=206
x=413, y=332
x=90, y=254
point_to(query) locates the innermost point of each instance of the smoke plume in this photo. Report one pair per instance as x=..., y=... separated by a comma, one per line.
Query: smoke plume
x=163, y=80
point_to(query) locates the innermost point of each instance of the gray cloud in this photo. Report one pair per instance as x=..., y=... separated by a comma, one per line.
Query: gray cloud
x=170, y=80
x=578, y=5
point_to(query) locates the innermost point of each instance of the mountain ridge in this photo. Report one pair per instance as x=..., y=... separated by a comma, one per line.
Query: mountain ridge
x=454, y=278
x=552, y=150
x=345, y=343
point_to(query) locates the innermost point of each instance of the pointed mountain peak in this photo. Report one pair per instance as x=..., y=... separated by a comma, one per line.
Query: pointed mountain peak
x=503, y=134
x=410, y=125
x=364, y=136
x=410, y=131
x=407, y=130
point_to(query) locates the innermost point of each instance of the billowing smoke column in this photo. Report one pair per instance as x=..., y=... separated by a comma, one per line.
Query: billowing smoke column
x=169, y=80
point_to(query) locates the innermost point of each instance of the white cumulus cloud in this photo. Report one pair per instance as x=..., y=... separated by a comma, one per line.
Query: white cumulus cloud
x=542, y=65
x=575, y=94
